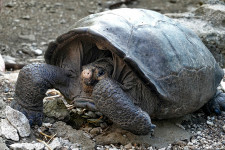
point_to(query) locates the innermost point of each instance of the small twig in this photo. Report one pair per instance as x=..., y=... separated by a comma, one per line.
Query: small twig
x=113, y=146
x=48, y=136
x=51, y=138
x=180, y=126
x=51, y=97
x=45, y=144
x=96, y=120
x=69, y=107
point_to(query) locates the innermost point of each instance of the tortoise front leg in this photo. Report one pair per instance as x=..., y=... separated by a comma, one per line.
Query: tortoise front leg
x=113, y=102
x=33, y=82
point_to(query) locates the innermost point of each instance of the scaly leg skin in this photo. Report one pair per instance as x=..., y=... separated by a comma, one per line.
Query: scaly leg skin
x=113, y=102
x=216, y=104
x=32, y=83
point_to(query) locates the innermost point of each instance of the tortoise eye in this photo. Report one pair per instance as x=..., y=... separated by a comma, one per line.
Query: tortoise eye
x=100, y=73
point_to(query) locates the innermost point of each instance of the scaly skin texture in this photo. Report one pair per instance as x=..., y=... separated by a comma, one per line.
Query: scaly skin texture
x=33, y=82
x=216, y=104
x=113, y=102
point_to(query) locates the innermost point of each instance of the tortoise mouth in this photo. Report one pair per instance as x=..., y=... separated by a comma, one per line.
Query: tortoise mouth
x=89, y=82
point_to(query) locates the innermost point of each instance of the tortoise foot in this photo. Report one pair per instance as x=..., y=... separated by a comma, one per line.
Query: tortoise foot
x=216, y=105
x=32, y=83
x=118, y=106
x=34, y=117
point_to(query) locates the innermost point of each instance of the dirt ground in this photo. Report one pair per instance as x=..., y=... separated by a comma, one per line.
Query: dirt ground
x=27, y=26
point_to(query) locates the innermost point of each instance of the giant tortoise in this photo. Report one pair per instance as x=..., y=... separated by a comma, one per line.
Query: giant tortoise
x=129, y=64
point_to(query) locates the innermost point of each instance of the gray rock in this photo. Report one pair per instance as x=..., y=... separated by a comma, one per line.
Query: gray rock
x=10, y=4
x=8, y=131
x=55, y=143
x=2, y=64
x=4, y=47
x=37, y=52
x=2, y=106
x=9, y=59
x=73, y=135
x=210, y=123
x=56, y=109
x=2, y=145
x=30, y=37
x=215, y=14
x=26, y=17
x=90, y=114
x=27, y=146
x=58, y=143
x=11, y=77
x=18, y=120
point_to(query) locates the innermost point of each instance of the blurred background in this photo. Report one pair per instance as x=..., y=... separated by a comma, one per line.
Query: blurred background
x=27, y=26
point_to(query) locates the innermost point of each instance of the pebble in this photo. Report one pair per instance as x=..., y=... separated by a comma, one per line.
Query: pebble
x=10, y=4
x=30, y=37
x=224, y=128
x=18, y=120
x=27, y=146
x=2, y=64
x=95, y=131
x=9, y=59
x=27, y=17
x=90, y=114
x=128, y=146
x=199, y=132
x=103, y=125
x=37, y=52
x=55, y=143
x=44, y=43
x=8, y=130
x=210, y=123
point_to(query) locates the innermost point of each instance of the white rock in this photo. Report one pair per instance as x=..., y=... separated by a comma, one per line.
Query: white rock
x=209, y=123
x=30, y=37
x=199, y=132
x=2, y=64
x=224, y=128
x=37, y=52
x=11, y=77
x=9, y=59
x=18, y=120
x=28, y=146
x=128, y=146
x=55, y=143
x=8, y=130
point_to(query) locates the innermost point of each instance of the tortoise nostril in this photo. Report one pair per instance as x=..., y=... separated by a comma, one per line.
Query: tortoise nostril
x=86, y=73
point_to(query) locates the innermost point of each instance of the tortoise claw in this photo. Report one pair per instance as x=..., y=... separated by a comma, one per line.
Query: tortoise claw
x=84, y=103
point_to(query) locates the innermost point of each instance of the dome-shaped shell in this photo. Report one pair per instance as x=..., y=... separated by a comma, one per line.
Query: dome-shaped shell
x=162, y=52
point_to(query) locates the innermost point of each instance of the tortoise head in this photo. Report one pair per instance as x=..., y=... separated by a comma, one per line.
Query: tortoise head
x=94, y=72
x=90, y=75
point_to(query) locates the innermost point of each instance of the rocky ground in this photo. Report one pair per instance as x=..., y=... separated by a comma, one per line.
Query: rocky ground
x=26, y=28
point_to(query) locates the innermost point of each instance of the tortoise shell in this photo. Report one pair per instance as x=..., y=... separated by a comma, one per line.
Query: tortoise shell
x=166, y=56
